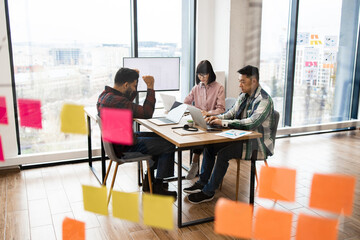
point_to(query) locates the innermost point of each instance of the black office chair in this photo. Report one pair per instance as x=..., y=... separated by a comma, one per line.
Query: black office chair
x=273, y=135
x=126, y=158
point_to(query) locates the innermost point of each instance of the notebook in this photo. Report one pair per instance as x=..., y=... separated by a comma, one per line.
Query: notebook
x=173, y=117
x=200, y=121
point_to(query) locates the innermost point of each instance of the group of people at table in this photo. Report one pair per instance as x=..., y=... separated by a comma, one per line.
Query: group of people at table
x=253, y=110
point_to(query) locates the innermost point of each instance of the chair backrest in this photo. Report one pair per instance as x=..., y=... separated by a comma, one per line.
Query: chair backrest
x=108, y=147
x=275, y=126
x=229, y=102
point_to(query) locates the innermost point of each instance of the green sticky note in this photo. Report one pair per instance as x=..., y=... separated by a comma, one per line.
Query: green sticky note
x=157, y=211
x=73, y=119
x=126, y=206
x=95, y=199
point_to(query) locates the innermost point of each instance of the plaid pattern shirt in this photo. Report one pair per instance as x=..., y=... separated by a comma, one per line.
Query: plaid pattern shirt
x=259, y=117
x=111, y=98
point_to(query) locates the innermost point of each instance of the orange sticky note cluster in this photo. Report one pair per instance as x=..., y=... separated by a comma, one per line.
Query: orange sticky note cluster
x=233, y=218
x=316, y=228
x=73, y=229
x=272, y=224
x=334, y=193
x=328, y=65
x=277, y=183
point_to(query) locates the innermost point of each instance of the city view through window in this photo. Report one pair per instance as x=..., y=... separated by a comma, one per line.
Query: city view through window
x=70, y=58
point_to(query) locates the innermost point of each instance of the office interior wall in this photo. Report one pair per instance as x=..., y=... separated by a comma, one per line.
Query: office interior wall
x=228, y=35
x=7, y=132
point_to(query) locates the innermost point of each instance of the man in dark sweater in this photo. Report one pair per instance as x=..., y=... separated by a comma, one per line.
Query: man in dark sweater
x=122, y=96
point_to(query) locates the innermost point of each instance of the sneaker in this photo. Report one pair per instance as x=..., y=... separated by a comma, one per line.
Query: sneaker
x=159, y=189
x=194, y=169
x=199, y=197
x=196, y=188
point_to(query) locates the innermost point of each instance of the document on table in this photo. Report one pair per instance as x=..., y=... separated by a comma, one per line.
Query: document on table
x=233, y=133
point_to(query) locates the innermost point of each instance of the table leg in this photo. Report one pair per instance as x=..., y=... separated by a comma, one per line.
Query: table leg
x=252, y=176
x=89, y=141
x=179, y=188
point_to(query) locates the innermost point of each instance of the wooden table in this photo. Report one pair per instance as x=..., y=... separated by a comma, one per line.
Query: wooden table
x=193, y=141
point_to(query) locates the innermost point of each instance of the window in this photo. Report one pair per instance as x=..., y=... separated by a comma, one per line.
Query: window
x=65, y=51
x=273, y=50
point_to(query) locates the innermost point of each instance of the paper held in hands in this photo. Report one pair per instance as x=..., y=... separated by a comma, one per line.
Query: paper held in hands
x=233, y=133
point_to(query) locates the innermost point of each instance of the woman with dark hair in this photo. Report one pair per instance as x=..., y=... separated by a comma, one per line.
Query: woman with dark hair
x=207, y=95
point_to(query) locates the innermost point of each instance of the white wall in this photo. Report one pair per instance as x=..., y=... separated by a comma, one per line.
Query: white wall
x=7, y=132
x=228, y=35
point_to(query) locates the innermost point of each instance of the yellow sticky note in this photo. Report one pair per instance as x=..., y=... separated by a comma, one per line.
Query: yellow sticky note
x=73, y=119
x=126, y=205
x=95, y=199
x=157, y=211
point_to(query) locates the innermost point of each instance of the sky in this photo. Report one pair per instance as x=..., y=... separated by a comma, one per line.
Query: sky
x=98, y=21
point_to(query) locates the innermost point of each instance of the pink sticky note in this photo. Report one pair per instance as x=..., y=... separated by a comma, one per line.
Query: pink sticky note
x=3, y=111
x=2, y=159
x=30, y=113
x=117, y=126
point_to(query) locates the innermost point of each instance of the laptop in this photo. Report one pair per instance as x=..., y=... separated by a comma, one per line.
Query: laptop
x=168, y=101
x=173, y=117
x=200, y=121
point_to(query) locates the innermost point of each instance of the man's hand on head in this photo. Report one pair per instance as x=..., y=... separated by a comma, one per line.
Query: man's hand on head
x=149, y=80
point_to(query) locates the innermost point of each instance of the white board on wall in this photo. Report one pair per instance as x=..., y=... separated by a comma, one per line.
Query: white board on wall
x=165, y=70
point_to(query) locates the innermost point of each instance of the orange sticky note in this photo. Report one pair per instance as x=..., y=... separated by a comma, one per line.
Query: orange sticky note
x=117, y=126
x=95, y=199
x=73, y=119
x=1, y=151
x=316, y=228
x=277, y=183
x=73, y=229
x=157, y=211
x=3, y=111
x=233, y=218
x=332, y=192
x=30, y=113
x=272, y=224
x=126, y=205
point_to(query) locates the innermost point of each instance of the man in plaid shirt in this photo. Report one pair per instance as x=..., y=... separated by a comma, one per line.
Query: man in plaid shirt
x=122, y=96
x=253, y=110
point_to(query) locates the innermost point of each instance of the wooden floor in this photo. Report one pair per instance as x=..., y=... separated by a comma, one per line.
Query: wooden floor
x=34, y=202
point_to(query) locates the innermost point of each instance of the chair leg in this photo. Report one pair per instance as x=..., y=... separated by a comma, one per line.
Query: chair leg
x=237, y=178
x=113, y=181
x=107, y=173
x=149, y=176
x=257, y=180
x=141, y=172
x=266, y=163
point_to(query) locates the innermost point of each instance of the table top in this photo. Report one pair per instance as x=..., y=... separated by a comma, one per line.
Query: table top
x=180, y=141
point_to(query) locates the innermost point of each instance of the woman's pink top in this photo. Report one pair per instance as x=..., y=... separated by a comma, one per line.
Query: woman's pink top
x=210, y=98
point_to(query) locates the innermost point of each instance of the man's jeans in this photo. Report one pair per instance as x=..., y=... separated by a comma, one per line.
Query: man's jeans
x=161, y=150
x=225, y=152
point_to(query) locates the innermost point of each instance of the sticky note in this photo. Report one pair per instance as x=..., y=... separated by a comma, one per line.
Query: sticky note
x=157, y=211
x=316, y=228
x=73, y=119
x=30, y=113
x=2, y=159
x=277, y=183
x=233, y=218
x=95, y=199
x=73, y=229
x=3, y=111
x=272, y=224
x=117, y=126
x=334, y=193
x=126, y=205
